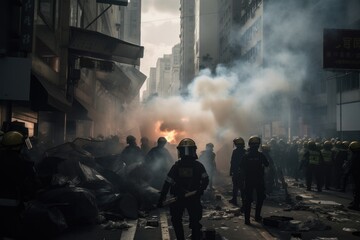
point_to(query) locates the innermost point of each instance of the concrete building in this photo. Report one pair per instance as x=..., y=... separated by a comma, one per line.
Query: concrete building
x=150, y=85
x=163, y=75
x=206, y=42
x=77, y=75
x=315, y=110
x=187, y=28
x=174, y=88
x=130, y=22
x=229, y=20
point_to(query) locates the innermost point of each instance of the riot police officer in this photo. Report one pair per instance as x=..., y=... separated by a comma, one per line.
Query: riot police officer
x=158, y=161
x=18, y=183
x=237, y=180
x=186, y=175
x=328, y=156
x=253, y=169
x=207, y=158
x=354, y=169
x=313, y=162
x=132, y=152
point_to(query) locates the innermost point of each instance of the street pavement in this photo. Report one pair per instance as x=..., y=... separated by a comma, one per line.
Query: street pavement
x=316, y=215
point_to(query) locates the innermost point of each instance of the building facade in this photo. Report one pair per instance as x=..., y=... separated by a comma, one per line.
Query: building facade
x=187, y=28
x=206, y=42
x=325, y=103
x=80, y=72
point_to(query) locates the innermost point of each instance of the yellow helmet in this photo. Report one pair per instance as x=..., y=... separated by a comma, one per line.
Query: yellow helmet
x=12, y=139
x=187, y=148
x=354, y=146
x=239, y=141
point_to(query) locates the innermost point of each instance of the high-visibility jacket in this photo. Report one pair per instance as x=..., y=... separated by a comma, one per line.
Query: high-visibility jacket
x=327, y=156
x=314, y=157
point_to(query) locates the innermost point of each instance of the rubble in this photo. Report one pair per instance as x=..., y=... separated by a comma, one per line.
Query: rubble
x=84, y=181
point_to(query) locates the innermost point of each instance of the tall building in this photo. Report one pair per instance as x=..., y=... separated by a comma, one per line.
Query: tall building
x=187, y=28
x=206, y=43
x=326, y=101
x=163, y=75
x=175, y=71
x=130, y=22
x=229, y=20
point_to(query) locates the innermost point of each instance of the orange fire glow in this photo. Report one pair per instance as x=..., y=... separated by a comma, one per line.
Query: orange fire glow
x=170, y=136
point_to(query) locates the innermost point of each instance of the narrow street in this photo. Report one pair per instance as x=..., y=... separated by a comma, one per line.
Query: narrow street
x=315, y=215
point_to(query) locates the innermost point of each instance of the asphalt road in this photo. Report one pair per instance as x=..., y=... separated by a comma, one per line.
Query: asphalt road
x=316, y=215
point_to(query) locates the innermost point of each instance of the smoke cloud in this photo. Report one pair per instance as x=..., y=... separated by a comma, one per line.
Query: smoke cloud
x=236, y=101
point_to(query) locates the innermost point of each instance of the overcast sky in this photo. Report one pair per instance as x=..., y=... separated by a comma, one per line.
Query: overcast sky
x=160, y=29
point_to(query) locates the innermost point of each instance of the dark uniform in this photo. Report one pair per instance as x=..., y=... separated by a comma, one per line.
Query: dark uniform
x=340, y=158
x=237, y=179
x=253, y=168
x=313, y=162
x=328, y=156
x=17, y=185
x=145, y=147
x=186, y=175
x=158, y=161
x=131, y=153
x=207, y=158
x=270, y=171
x=355, y=169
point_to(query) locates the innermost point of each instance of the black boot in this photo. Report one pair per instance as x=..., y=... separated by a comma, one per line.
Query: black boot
x=258, y=217
x=233, y=201
x=247, y=214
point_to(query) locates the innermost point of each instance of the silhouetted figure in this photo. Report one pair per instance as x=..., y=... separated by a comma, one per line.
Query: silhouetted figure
x=132, y=152
x=158, y=161
x=253, y=169
x=207, y=158
x=186, y=175
x=355, y=169
x=237, y=179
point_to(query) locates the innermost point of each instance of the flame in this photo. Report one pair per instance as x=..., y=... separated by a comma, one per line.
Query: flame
x=170, y=135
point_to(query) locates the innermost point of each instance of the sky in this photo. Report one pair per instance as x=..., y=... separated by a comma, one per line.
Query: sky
x=160, y=29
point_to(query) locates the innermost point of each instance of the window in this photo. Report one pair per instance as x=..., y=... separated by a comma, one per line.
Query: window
x=76, y=14
x=47, y=12
x=347, y=82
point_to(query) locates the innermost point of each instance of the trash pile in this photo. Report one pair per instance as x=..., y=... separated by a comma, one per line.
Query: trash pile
x=84, y=183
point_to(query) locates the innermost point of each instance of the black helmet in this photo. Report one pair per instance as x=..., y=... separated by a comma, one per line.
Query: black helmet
x=312, y=145
x=354, y=146
x=327, y=145
x=254, y=142
x=187, y=148
x=209, y=146
x=265, y=148
x=130, y=139
x=144, y=140
x=161, y=141
x=239, y=141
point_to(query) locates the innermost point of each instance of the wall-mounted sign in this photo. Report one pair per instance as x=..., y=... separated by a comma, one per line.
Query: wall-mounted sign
x=341, y=49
